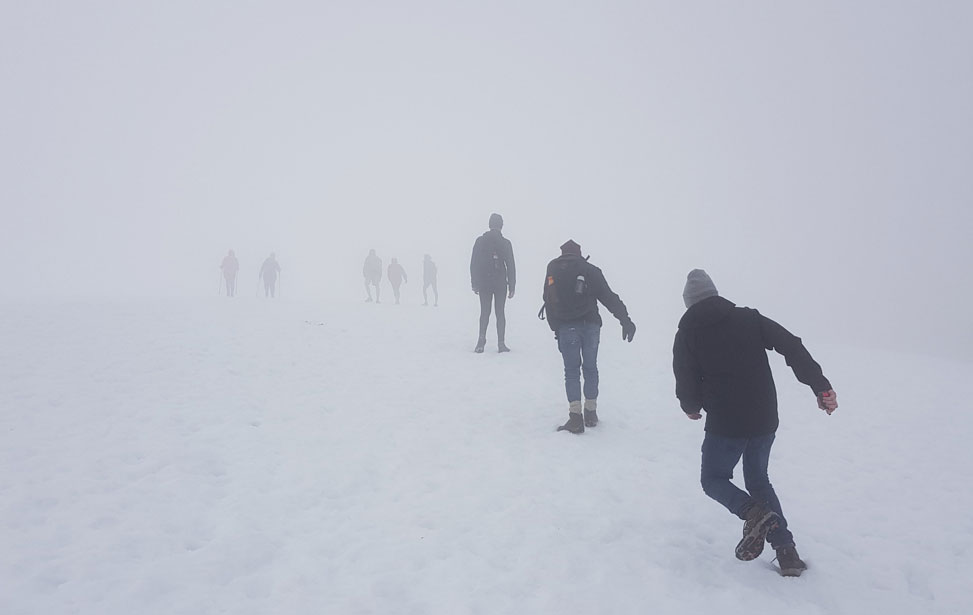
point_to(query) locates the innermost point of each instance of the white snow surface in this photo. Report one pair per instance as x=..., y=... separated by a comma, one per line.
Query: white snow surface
x=251, y=456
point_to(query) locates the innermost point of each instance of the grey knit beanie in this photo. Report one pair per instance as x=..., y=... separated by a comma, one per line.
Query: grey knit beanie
x=699, y=286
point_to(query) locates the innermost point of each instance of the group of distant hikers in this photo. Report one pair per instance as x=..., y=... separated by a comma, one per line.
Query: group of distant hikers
x=372, y=272
x=269, y=273
x=719, y=361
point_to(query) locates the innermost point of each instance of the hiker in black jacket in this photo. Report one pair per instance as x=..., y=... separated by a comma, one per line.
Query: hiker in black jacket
x=572, y=289
x=720, y=363
x=492, y=273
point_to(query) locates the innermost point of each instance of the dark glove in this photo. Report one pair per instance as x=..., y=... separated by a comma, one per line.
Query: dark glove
x=628, y=330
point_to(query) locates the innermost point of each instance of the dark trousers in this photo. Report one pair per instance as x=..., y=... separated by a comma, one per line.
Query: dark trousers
x=497, y=298
x=720, y=455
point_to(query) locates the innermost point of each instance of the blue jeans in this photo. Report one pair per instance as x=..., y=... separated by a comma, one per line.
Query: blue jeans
x=578, y=343
x=720, y=455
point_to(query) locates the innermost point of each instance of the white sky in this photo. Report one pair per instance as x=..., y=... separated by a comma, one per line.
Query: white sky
x=815, y=158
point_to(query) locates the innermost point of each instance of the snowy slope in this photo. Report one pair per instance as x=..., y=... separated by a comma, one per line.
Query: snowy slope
x=249, y=456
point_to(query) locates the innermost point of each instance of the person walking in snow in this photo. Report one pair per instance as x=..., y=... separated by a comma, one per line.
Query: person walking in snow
x=492, y=275
x=372, y=272
x=268, y=272
x=720, y=364
x=429, y=273
x=230, y=267
x=397, y=275
x=573, y=288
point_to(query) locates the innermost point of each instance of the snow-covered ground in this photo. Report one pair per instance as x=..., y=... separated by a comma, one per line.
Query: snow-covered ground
x=249, y=456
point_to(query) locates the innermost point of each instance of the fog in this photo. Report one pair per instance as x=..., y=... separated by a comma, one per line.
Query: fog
x=814, y=158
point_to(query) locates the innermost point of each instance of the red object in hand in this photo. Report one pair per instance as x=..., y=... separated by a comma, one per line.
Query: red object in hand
x=828, y=401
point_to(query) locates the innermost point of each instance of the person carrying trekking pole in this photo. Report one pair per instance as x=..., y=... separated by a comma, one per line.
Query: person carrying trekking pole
x=719, y=358
x=573, y=287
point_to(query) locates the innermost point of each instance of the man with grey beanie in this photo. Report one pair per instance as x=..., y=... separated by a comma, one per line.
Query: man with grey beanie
x=721, y=367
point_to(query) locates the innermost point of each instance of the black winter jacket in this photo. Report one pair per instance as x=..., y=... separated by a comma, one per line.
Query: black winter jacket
x=585, y=309
x=492, y=263
x=720, y=361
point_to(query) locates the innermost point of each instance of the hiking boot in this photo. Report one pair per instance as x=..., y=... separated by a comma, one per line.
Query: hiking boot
x=759, y=521
x=575, y=423
x=590, y=412
x=790, y=562
x=501, y=347
x=480, y=343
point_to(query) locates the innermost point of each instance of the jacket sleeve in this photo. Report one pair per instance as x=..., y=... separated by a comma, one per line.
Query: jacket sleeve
x=688, y=376
x=608, y=297
x=806, y=369
x=511, y=268
x=473, y=281
x=551, y=317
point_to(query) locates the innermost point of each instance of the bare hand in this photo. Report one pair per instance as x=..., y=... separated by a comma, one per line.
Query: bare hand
x=694, y=416
x=511, y=295
x=828, y=401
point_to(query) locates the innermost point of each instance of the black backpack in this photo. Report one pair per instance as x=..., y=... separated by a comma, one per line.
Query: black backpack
x=490, y=265
x=567, y=295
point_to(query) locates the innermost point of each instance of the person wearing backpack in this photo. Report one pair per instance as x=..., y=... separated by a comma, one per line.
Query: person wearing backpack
x=493, y=277
x=573, y=288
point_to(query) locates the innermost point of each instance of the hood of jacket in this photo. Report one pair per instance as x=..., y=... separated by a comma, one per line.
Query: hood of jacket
x=707, y=312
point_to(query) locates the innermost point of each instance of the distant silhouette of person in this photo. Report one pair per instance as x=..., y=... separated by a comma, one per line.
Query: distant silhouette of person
x=429, y=279
x=230, y=267
x=492, y=273
x=397, y=275
x=372, y=271
x=269, y=271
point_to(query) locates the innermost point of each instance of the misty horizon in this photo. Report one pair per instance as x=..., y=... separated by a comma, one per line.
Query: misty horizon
x=813, y=159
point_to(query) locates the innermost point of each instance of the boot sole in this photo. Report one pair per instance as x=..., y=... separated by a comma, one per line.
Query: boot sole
x=752, y=545
x=791, y=572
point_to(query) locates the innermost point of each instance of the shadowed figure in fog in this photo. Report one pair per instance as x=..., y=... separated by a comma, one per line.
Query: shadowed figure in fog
x=230, y=268
x=429, y=273
x=397, y=275
x=573, y=288
x=268, y=273
x=492, y=274
x=372, y=271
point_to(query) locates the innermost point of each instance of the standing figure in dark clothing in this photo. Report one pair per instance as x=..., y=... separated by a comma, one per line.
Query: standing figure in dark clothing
x=372, y=271
x=492, y=273
x=429, y=279
x=230, y=266
x=396, y=277
x=573, y=288
x=268, y=272
x=720, y=362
